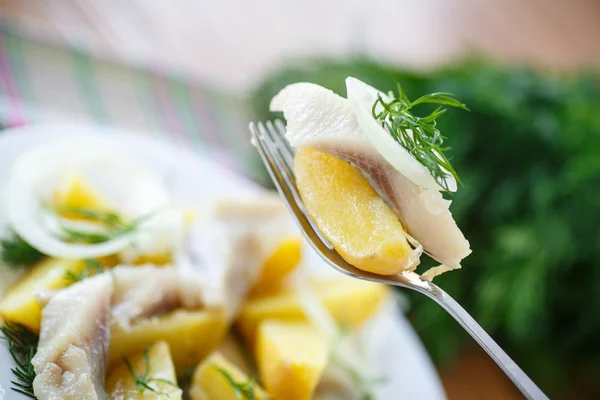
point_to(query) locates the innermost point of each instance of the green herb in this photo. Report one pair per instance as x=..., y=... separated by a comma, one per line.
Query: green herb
x=243, y=390
x=142, y=382
x=92, y=267
x=22, y=345
x=528, y=156
x=109, y=218
x=113, y=222
x=78, y=236
x=419, y=135
x=16, y=252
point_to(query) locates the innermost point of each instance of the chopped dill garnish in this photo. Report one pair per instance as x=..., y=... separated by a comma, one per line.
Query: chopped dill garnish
x=16, y=252
x=419, y=135
x=142, y=382
x=92, y=267
x=22, y=345
x=243, y=390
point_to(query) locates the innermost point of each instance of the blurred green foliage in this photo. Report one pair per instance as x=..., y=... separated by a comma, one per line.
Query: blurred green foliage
x=529, y=156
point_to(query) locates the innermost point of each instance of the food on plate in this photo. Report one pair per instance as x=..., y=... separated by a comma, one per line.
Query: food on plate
x=350, y=301
x=74, y=193
x=216, y=378
x=228, y=249
x=291, y=357
x=280, y=264
x=70, y=362
x=20, y=303
x=236, y=353
x=146, y=375
x=400, y=155
x=191, y=335
x=135, y=197
x=121, y=290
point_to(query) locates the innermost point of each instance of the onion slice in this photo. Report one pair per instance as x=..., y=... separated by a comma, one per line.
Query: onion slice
x=361, y=98
x=33, y=170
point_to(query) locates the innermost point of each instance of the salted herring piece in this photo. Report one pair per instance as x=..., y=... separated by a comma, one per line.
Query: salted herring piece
x=318, y=118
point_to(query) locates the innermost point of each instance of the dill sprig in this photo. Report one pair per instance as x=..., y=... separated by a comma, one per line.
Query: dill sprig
x=115, y=230
x=242, y=390
x=92, y=267
x=16, y=252
x=22, y=345
x=142, y=382
x=419, y=135
x=106, y=217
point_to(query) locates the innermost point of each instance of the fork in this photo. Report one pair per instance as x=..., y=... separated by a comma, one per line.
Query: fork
x=277, y=155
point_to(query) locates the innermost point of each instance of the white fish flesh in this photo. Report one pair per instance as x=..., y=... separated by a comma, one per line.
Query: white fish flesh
x=227, y=248
x=70, y=362
x=317, y=117
x=142, y=292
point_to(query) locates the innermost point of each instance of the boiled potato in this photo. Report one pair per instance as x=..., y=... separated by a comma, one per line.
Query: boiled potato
x=215, y=378
x=191, y=335
x=362, y=228
x=20, y=305
x=291, y=357
x=281, y=263
x=350, y=302
x=74, y=192
x=154, y=366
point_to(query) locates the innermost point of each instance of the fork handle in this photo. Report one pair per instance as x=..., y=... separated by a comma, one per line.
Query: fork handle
x=510, y=368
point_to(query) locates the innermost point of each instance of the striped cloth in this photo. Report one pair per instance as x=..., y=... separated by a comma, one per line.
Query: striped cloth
x=41, y=83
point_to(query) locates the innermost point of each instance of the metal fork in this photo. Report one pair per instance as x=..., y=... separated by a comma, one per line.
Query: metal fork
x=269, y=138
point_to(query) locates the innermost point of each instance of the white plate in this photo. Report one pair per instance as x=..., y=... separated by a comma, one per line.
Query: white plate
x=195, y=179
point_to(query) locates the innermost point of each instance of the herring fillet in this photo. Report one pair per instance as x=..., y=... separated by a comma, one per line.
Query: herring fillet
x=143, y=291
x=317, y=117
x=70, y=362
x=226, y=251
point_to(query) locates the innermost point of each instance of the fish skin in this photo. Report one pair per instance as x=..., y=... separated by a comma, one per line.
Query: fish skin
x=319, y=118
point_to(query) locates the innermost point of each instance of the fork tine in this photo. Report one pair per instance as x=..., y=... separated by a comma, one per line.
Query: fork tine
x=281, y=129
x=269, y=136
x=277, y=133
x=288, y=176
x=265, y=153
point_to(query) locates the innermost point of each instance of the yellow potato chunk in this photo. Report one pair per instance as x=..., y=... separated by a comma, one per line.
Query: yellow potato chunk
x=291, y=357
x=351, y=215
x=217, y=379
x=282, y=262
x=76, y=193
x=350, y=302
x=191, y=335
x=20, y=305
x=154, y=367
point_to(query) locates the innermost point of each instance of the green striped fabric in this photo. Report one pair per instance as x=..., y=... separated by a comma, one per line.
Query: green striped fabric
x=40, y=83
